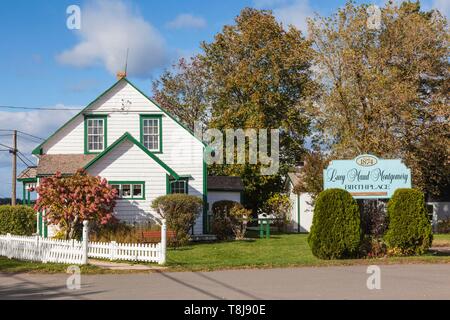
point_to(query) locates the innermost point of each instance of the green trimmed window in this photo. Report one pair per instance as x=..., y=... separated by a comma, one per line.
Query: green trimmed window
x=134, y=190
x=178, y=186
x=95, y=128
x=151, y=132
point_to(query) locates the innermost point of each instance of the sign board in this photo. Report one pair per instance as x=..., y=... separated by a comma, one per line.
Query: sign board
x=367, y=177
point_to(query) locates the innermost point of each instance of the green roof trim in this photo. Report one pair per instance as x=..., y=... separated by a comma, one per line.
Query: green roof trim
x=129, y=137
x=27, y=180
x=165, y=111
x=38, y=149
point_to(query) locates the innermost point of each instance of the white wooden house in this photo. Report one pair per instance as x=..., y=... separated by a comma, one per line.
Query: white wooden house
x=128, y=139
x=302, y=210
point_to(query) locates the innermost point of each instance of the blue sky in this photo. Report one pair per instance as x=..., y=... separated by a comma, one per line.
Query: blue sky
x=44, y=64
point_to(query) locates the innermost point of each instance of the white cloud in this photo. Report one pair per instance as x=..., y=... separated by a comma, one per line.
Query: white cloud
x=288, y=12
x=108, y=28
x=186, y=20
x=38, y=123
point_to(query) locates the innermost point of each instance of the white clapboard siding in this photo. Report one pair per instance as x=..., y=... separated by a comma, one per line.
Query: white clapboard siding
x=127, y=162
x=181, y=150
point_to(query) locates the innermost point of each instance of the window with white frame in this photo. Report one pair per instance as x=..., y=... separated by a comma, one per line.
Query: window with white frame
x=151, y=133
x=129, y=190
x=95, y=134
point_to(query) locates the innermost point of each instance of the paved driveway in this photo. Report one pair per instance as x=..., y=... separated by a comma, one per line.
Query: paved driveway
x=397, y=282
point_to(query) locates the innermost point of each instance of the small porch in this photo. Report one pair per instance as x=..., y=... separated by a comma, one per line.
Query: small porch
x=29, y=180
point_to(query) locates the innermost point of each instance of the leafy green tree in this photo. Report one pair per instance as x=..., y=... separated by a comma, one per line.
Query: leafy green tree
x=182, y=91
x=254, y=74
x=259, y=76
x=385, y=90
x=279, y=205
x=311, y=180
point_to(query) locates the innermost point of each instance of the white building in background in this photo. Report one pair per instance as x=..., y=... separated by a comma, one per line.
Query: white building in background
x=301, y=205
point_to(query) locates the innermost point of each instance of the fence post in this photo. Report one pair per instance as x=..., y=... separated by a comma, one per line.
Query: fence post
x=112, y=250
x=9, y=246
x=85, y=242
x=37, y=250
x=162, y=258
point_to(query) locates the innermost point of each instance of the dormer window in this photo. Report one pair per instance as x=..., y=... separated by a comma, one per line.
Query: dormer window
x=151, y=132
x=178, y=186
x=94, y=133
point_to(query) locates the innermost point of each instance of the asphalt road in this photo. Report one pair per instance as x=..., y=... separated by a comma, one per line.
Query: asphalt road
x=397, y=282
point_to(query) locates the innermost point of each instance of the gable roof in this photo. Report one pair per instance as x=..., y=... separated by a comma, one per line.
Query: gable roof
x=294, y=177
x=67, y=164
x=28, y=173
x=129, y=137
x=38, y=149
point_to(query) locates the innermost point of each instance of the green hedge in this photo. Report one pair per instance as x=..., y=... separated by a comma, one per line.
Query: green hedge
x=18, y=220
x=336, y=229
x=409, y=230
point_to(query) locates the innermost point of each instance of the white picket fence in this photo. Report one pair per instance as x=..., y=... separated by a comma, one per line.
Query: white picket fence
x=125, y=251
x=41, y=249
x=77, y=252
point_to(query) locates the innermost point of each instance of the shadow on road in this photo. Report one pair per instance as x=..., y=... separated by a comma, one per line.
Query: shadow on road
x=223, y=284
x=185, y=284
x=26, y=289
x=205, y=292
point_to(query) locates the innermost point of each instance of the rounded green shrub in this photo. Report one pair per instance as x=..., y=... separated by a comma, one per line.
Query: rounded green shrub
x=180, y=211
x=17, y=220
x=409, y=230
x=336, y=229
x=221, y=223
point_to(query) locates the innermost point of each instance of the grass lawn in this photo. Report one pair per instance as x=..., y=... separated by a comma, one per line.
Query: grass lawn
x=441, y=240
x=287, y=250
x=280, y=251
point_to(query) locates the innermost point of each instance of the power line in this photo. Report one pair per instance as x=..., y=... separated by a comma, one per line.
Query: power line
x=30, y=161
x=21, y=132
x=30, y=135
x=4, y=145
x=23, y=161
x=42, y=109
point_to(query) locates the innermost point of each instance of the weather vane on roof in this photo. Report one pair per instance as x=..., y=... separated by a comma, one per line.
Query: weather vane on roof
x=123, y=74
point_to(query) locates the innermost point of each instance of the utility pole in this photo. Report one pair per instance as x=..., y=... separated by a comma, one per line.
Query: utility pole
x=14, y=168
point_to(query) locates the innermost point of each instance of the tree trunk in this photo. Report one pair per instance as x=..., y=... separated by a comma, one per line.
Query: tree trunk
x=72, y=228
